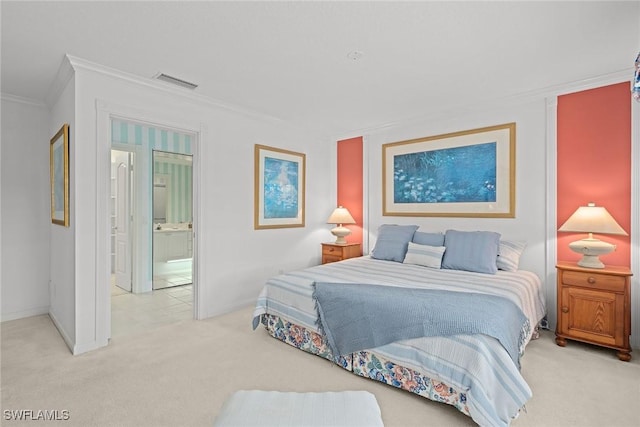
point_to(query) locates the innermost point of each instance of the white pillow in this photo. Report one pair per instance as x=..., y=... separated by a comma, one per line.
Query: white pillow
x=425, y=255
x=509, y=255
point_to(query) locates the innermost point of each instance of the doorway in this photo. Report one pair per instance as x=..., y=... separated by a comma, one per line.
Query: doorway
x=136, y=304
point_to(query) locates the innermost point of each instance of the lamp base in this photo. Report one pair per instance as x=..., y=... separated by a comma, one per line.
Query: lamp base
x=340, y=232
x=590, y=261
x=591, y=249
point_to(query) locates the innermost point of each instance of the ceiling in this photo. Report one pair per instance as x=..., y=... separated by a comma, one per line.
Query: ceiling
x=291, y=60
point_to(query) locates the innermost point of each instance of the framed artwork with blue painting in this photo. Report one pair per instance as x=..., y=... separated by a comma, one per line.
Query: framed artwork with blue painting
x=59, y=176
x=279, y=188
x=462, y=174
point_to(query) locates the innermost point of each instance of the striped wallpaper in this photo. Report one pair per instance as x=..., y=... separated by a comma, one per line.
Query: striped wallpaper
x=178, y=173
x=156, y=139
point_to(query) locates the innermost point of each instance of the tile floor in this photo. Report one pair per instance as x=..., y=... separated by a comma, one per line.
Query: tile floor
x=135, y=313
x=174, y=279
x=177, y=275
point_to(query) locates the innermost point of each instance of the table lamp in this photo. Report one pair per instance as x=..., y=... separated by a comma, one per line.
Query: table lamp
x=339, y=217
x=592, y=219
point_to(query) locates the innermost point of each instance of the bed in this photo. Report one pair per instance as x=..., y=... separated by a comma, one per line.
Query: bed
x=472, y=372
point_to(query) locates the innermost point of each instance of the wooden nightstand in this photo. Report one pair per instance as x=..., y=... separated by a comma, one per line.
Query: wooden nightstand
x=594, y=306
x=332, y=252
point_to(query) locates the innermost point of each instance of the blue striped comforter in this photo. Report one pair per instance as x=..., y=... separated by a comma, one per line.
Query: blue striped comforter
x=475, y=364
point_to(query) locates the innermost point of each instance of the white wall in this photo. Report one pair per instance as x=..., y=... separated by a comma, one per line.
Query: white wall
x=529, y=222
x=62, y=248
x=26, y=208
x=234, y=260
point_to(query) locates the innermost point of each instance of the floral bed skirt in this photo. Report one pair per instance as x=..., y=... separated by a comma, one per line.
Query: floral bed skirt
x=367, y=364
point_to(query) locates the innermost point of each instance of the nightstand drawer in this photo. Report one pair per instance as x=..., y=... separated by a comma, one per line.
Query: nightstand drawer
x=594, y=280
x=332, y=250
x=326, y=259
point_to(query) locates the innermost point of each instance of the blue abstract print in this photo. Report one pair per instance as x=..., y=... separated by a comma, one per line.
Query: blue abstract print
x=280, y=188
x=452, y=175
x=58, y=175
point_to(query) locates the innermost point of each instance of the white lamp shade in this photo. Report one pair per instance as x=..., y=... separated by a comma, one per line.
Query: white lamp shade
x=592, y=219
x=341, y=216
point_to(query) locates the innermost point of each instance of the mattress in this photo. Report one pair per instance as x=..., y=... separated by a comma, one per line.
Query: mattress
x=476, y=365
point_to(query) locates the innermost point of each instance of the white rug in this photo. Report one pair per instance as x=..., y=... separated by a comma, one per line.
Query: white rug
x=289, y=409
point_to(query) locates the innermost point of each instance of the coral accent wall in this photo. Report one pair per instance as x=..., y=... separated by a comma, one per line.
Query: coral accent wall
x=350, y=183
x=594, y=163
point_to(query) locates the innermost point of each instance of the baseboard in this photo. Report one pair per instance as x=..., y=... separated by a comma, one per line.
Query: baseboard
x=83, y=348
x=62, y=332
x=37, y=311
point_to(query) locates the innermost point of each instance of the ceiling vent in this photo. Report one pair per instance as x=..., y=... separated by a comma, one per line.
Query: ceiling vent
x=176, y=81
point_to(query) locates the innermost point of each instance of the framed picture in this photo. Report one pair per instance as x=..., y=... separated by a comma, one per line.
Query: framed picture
x=462, y=174
x=279, y=188
x=59, y=170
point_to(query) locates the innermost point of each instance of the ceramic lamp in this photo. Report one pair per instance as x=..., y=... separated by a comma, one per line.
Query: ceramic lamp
x=340, y=216
x=592, y=219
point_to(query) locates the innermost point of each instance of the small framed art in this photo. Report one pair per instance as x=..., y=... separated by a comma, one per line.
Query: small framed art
x=279, y=188
x=59, y=170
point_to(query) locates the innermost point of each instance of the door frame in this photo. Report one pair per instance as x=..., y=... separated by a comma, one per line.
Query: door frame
x=105, y=113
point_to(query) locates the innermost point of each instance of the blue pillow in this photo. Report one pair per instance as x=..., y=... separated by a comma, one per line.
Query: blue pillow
x=392, y=242
x=429, y=239
x=471, y=251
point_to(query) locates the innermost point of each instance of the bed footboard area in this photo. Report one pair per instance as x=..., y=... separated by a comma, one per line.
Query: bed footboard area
x=366, y=364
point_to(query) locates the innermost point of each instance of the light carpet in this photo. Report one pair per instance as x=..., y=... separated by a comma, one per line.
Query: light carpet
x=180, y=375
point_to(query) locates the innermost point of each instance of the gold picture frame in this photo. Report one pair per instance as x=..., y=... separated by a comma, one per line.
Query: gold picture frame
x=59, y=170
x=462, y=174
x=279, y=188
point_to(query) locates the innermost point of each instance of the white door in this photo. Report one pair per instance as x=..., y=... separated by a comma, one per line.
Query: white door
x=122, y=227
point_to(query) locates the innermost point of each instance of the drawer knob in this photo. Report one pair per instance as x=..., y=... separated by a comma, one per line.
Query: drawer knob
x=330, y=249
x=591, y=280
x=565, y=309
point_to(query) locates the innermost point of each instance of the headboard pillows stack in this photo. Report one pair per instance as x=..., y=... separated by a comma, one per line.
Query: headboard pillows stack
x=478, y=251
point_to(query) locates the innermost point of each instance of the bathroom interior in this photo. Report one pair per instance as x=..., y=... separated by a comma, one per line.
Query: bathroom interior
x=172, y=220
x=172, y=234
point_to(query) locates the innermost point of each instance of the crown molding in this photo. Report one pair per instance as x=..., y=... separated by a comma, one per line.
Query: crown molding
x=60, y=81
x=506, y=101
x=22, y=100
x=591, y=83
x=82, y=64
